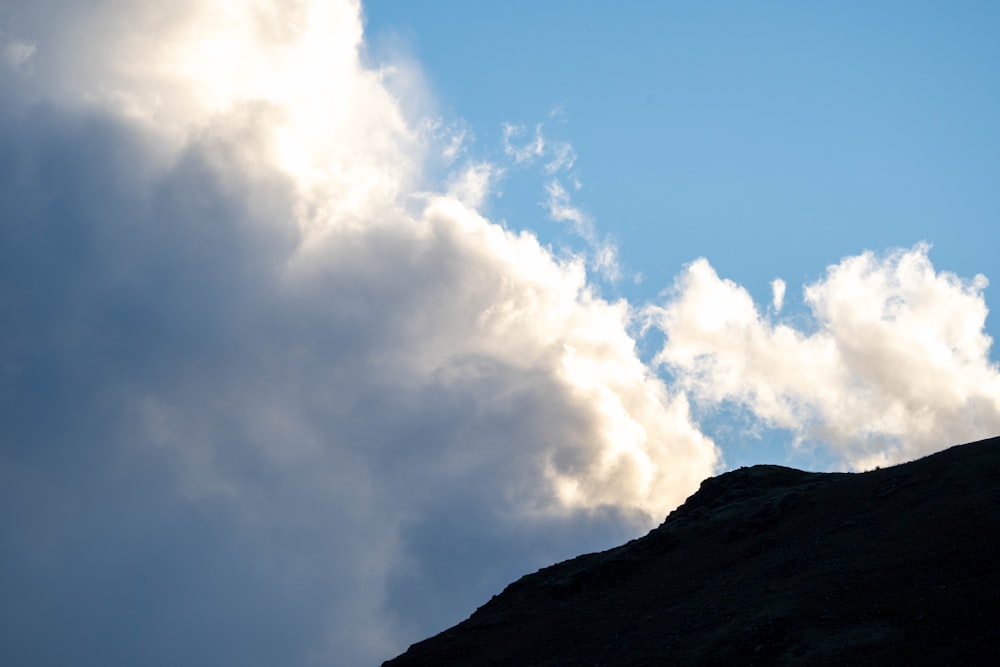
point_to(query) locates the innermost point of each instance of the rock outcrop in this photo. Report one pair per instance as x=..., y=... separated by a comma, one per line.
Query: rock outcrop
x=771, y=566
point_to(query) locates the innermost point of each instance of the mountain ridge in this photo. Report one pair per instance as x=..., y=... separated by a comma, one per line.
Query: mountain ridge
x=770, y=565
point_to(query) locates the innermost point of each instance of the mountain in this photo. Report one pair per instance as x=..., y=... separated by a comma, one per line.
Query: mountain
x=771, y=566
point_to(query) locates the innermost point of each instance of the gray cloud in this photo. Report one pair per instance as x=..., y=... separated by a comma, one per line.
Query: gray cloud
x=108, y=291
x=265, y=403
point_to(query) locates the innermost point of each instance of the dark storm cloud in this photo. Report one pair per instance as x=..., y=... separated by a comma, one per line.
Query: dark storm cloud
x=109, y=290
x=211, y=457
x=252, y=415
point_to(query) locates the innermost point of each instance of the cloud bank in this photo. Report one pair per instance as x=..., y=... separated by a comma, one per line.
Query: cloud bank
x=269, y=397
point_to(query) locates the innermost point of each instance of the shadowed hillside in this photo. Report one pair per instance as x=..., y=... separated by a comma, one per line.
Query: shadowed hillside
x=770, y=565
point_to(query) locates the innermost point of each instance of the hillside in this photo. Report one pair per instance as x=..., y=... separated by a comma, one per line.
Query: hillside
x=769, y=566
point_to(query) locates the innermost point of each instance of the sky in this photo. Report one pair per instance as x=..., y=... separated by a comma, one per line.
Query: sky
x=320, y=323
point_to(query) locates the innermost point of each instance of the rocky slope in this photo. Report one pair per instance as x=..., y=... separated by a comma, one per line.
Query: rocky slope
x=771, y=566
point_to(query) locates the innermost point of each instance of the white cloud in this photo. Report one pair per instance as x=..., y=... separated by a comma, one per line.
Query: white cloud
x=778, y=294
x=473, y=184
x=603, y=253
x=897, y=366
x=525, y=148
x=455, y=146
x=605, y=260
x=278, y=370
x=563, y=158
x=561, y=209
x=527, y=151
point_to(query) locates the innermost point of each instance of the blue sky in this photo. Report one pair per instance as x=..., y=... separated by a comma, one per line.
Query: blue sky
x=801, y=133
x=804, y=133
x=773, y=139
x=321, y=323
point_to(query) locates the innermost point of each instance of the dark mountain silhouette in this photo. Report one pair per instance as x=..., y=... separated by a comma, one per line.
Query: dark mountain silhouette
x=771, y=566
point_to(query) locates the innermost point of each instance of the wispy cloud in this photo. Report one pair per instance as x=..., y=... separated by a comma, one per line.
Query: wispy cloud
x=473, y=184
x=563, y=158
x=520, y=145
x=603, y=252
x=778, y=294
x=558, y=160
x=561, y=209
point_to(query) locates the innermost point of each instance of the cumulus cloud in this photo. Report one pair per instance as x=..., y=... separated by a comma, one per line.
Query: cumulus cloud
x=267, y=396
x=894, y=365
